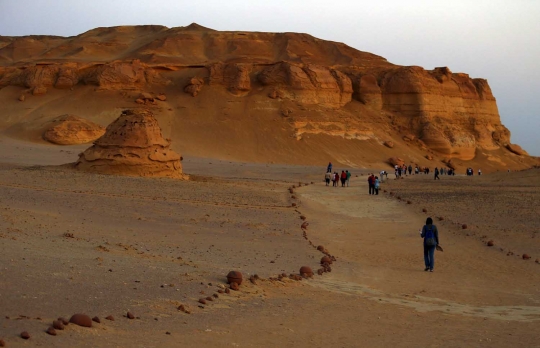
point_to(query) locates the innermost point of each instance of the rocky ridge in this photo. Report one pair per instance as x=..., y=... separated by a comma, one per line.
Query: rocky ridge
x=448, y=113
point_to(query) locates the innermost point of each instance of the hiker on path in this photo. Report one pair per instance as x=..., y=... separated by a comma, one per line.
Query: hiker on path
x=343, y=178
x=371, y=183
x=335, y=179
x=327, y=178
x=329, y=168
x=348, y=177
x=377, y=185
x=436, y=174
x=431, y=239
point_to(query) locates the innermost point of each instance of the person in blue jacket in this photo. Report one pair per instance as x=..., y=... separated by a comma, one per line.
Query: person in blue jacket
x=430, y=234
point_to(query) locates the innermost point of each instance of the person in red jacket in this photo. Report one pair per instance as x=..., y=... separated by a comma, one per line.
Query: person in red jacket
x=371, y=182
x=343, y=178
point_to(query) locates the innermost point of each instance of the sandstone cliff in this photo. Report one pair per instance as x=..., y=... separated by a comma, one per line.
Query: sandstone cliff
x=317, y=87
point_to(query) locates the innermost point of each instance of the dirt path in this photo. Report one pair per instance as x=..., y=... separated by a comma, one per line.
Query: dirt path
x=380, y=257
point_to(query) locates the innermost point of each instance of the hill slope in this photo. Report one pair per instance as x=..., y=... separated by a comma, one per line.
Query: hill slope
x=281, y=97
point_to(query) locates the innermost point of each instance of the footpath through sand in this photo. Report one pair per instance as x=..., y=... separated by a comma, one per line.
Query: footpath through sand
x=379, y=252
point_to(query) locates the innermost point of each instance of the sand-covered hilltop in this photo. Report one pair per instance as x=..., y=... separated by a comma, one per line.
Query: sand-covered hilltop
x=265, y=97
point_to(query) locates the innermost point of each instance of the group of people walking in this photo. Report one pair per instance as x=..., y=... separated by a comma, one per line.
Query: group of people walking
x=335, y=177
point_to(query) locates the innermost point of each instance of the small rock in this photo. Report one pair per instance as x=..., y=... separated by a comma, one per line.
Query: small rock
x=409, y=202
x=209, y=298
x=221, y=291
x=227, y=291
x=306, y=271
x=293, y=204
x=81, y=320
x=25, y=335
x=96, y=319
x=51, y=331
x=109, y=317
x=320, y=248
x=326, y=259
x=234, y=276
x=58, y=325
x=167, y=333
x=302, y=217
x=234, y=286
x=526, y=256
x=490, y=243
x=130, y=315
x=21, y=98
x=202, y=301
x=216, y=295
x=2, y=343
x=537, y=260
x=424, y=210
x=64, y=320
x=464, y=226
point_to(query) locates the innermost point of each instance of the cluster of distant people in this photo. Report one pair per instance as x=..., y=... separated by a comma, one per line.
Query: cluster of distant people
x=470, y=172
x=374, y=181
x=408, y=170
x=335, y=177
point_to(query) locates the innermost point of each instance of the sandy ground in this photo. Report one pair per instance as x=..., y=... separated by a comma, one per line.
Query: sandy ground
x=149, y=245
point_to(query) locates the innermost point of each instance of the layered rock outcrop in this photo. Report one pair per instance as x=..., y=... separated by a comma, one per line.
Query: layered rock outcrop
x=309, y=84
x=71, y=130
x=132, y=145
x=322, y=87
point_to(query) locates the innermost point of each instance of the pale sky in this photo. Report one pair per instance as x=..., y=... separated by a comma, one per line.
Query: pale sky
x=498, y=40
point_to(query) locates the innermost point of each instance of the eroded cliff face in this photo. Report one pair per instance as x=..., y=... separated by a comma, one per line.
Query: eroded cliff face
x=318, y=87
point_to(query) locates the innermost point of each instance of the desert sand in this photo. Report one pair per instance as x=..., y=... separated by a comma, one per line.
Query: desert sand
x=189, y=153
x=104, y=245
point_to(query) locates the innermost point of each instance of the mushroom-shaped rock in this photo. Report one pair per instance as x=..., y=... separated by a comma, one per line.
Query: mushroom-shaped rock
x=71, y=130
x=132, y=145
x=81, y=320
x=234, y=277
x=306, y=271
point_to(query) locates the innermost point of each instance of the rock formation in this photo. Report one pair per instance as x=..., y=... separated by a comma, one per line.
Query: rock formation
x=70, y=130
x=132, y=145
x=322, y=88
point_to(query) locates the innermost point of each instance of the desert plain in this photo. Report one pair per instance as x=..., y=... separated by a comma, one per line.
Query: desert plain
x=105, y=245
x=245, y=124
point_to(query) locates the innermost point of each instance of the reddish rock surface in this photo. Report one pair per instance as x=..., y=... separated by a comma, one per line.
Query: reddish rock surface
x=81, y=320
x=234, y=277
x=58, y=325
x=306, y=271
